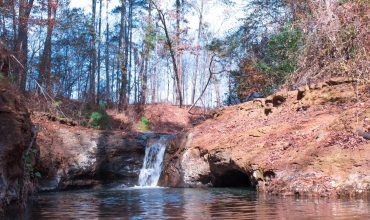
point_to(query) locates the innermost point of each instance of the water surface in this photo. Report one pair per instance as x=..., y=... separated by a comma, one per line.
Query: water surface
x=170, y=203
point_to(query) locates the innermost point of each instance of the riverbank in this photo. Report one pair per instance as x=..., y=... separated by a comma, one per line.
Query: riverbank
x=303, y=142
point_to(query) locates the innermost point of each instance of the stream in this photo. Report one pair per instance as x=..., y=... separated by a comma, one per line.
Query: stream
x=176, y=203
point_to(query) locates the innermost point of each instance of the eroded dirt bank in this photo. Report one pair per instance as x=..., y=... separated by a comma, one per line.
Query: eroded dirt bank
x=302, y=142
x=15, y=140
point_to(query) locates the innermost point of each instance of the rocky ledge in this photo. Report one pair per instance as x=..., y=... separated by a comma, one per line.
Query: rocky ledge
x=303, y=142
x=73, y=158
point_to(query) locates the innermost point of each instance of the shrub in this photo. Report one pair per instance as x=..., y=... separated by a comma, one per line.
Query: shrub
x=144, y=124
x=100, y=120
x=280, y=59
x=271, y=68
x=28, y=163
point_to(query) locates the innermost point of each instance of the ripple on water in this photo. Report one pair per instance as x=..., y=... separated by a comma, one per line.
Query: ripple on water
x=165, y=203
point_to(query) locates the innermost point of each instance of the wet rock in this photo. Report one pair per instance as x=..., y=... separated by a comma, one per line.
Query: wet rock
x=173, y=171
x=49, y=184
x=84, y=158
x=196, y=168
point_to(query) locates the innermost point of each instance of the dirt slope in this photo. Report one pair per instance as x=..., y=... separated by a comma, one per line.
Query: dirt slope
x=163, y=118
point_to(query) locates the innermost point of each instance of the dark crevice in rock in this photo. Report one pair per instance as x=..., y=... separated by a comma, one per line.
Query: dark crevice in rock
x=278, y=100
x=268, y=111
x=301, y=94
x=232, y=178
x=269, y=174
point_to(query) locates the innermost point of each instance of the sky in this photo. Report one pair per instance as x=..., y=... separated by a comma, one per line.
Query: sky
x=219, y=18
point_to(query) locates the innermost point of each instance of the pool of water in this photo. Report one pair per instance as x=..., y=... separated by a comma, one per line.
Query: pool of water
x=171, y=203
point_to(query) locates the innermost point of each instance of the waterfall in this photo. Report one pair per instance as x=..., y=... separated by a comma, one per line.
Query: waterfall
x=153, y=161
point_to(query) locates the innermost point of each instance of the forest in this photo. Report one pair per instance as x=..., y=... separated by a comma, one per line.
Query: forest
x=139, y=52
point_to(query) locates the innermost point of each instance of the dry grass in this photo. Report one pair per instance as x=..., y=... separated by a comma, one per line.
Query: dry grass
x=336, y=41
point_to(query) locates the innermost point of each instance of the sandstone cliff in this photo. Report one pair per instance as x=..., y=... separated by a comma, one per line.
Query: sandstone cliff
x=310, y=142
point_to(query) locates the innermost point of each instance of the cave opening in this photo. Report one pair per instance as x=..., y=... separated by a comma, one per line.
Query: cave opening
x=232, y=178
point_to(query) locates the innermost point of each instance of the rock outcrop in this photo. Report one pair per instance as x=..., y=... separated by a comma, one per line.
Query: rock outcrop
x=72, y=158
x=15, y=139
x=302, y=142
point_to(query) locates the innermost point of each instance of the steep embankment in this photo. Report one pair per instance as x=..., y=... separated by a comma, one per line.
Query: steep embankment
x=296, y=142
x=15, y=138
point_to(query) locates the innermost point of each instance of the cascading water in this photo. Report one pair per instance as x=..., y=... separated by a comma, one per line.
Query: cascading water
x=153, y=162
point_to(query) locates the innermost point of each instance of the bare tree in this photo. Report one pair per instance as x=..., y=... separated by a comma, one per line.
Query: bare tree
x=21, y=45
x=162, y=18
x=146, y=54
x=99, y=50
x=45, y=63
x=107, y=53
x=93, y=54
x=200, y=10
x=122, y=56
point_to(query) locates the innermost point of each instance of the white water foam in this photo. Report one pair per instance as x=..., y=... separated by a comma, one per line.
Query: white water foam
x=153, y=162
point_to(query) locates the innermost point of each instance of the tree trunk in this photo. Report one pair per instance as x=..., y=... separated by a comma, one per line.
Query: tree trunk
x=107, y=54
x=146, y=54
x=172, y=53
x=14, y=23
x=99, y=51
x=197, y=52
x=178, y=51
x=21, y=46
x=122, y=54
x=93, y=55
x=130, y=25
x=45, y=63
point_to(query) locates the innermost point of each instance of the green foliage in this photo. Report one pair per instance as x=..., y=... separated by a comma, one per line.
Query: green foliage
x=215, y=45
x=287, y=41
x=218, y=47
x=269, y=63
x=100, y=120
x=280, y=57
x=29, y=168
x=150, y=36
x=144, y=124
x=1, y=76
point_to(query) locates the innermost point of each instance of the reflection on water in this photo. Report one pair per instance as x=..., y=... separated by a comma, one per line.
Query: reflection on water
x=165, y=203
